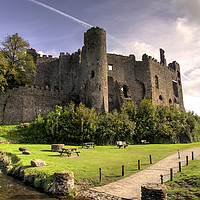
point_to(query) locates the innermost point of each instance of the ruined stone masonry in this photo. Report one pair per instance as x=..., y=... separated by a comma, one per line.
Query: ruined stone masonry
x=93, y=75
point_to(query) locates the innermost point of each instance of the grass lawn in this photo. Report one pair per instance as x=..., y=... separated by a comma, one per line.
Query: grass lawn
x=186, y=184
x=86, y=167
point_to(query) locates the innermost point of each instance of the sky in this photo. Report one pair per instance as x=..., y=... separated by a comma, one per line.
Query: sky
x=132, y=26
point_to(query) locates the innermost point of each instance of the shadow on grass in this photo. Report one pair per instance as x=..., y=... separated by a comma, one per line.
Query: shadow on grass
x=46, y=150
x=113, y=176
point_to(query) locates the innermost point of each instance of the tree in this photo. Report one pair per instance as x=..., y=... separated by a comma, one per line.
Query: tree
x=16, y=65
x=3, y=71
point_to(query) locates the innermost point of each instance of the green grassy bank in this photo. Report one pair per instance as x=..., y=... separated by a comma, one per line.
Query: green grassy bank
x=186, y=184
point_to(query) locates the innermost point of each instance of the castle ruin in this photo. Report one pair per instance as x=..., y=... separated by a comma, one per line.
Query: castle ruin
x=93, y=75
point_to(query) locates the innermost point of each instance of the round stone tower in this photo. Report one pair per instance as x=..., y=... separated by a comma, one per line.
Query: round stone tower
x=94, y=70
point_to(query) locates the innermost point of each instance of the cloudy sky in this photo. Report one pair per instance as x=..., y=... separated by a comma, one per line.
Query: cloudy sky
x=132, y=26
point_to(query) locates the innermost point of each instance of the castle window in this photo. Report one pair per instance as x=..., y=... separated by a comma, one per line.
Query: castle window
x=179, y=82
x=125, y=91
x=170, y=101
x=160, y=97
x=92, y=74
x=175, y=88
x=178, y=74
x=156, y=82
x=110, y=67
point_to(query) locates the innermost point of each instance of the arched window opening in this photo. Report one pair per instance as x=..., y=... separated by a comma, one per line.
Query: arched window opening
x=125, y=91
x=175, y=88
x=92, y=74
x=178, y=74
x=156, y=82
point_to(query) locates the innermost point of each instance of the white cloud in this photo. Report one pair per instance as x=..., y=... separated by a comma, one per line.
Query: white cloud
x=53, y=52
x=191, y=103
x=191, y=87
x=185, y=30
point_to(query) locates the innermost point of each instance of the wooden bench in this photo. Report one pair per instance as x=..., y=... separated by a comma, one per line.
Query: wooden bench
x=88, y=145
x=69, y=151
x=121, y=144
x=144, y=142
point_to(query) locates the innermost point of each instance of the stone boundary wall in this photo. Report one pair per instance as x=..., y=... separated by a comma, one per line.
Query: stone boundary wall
x=24, y=104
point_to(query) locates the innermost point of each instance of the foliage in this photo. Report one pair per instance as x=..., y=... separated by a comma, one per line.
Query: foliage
x=185, y=184
x=113, y=127
x=75, y=125
x=16, y=65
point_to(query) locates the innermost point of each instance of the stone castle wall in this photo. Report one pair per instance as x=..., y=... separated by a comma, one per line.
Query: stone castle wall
x=24, y=104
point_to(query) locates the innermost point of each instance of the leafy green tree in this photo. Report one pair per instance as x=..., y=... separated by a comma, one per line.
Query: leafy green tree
x=3, y=71
x=113, y=127
x=146, y=120
x=16, y=65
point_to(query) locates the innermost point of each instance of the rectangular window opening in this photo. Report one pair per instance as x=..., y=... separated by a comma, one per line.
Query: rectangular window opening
x=110, y=67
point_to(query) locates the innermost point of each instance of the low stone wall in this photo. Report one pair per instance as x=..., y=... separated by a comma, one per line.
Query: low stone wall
x=61, y=184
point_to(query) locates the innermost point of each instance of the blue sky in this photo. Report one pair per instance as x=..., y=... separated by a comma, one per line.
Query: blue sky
x=132, y=26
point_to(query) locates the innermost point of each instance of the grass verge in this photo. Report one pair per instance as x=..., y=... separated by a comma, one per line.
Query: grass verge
x=186, y=184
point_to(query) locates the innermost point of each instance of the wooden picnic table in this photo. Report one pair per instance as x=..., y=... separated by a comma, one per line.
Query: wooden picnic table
x=69, y=151
x=88, y=145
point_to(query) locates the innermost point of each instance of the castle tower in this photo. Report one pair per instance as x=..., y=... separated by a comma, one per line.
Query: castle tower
x=94, y=70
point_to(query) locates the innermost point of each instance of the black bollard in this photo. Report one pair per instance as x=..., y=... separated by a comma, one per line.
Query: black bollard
x=179, y=166
x=138, y=164
x=150, y=159
x=192, y=155
x=186, y=160
x=171, y=174
x=122, y=170
x=100, y=175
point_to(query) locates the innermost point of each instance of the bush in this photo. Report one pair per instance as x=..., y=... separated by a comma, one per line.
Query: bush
x=75, y=125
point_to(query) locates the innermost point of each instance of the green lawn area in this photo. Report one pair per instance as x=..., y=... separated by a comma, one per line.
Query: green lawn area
x=86, y=167
x=186, y=184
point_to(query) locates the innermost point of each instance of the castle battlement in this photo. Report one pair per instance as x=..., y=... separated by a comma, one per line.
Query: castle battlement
x=171, y=66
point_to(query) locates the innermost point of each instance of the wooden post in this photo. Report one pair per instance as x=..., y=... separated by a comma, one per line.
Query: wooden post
x=171, y=174
x=186, y=160
x=122, y=170
x=138, y=164
x=150, y=159
x=179, y=166
x=100, y=175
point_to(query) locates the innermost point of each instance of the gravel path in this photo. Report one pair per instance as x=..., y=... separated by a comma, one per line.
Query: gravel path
x=130, y=187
